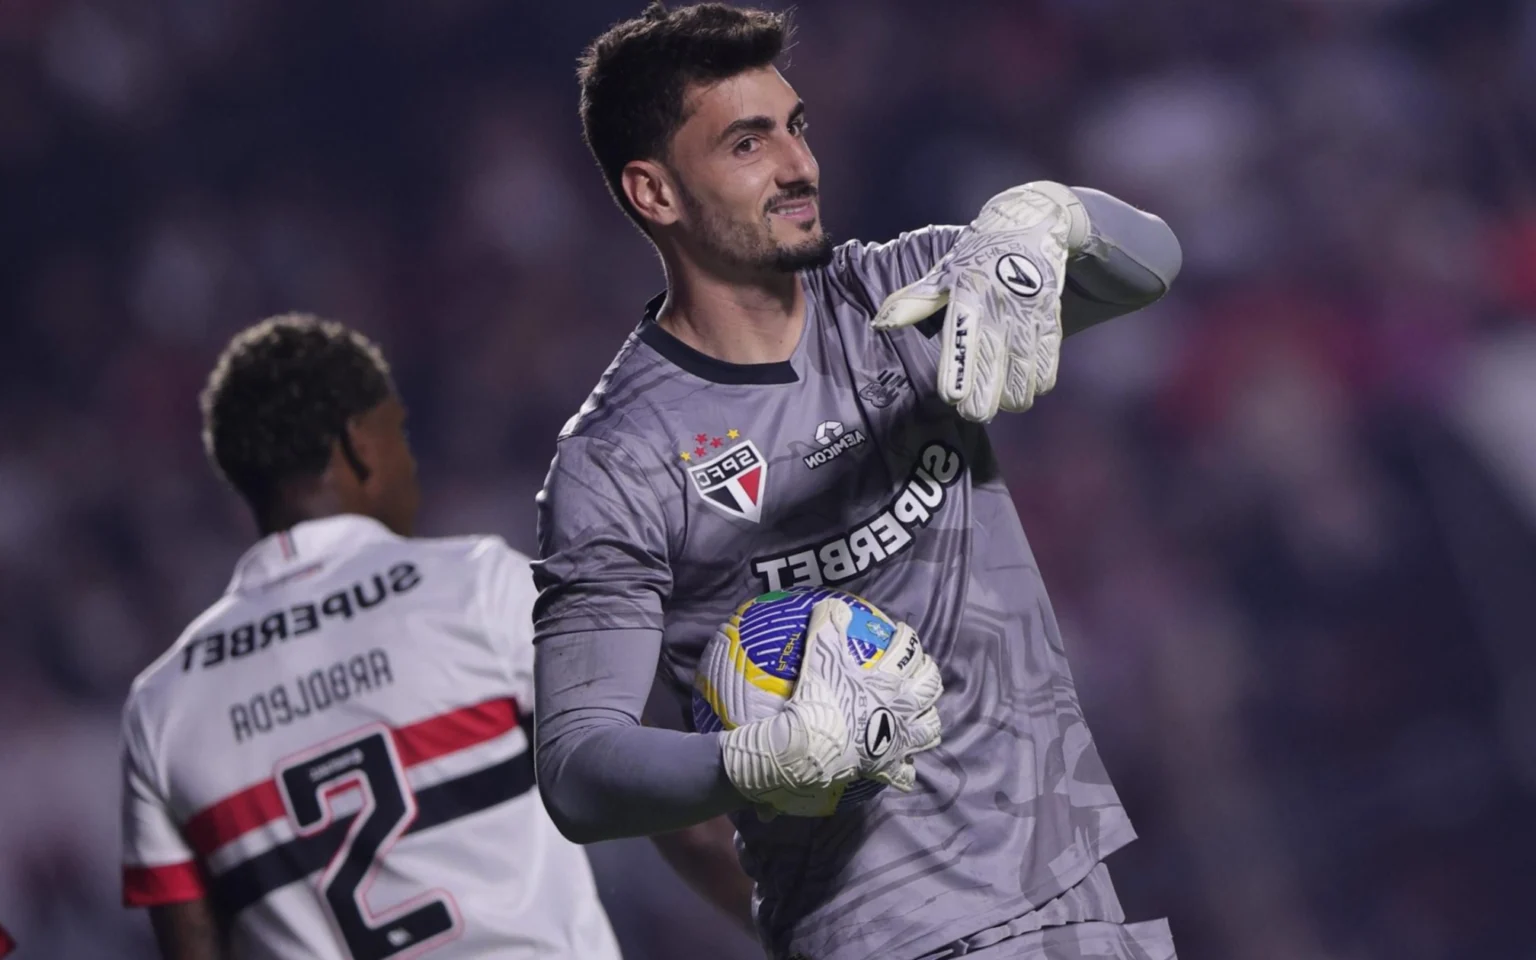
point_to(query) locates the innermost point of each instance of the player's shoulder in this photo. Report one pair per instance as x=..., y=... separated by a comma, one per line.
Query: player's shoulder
x=474, y=569
x=488, y=582
x=622, y=394
x=642, y=400
x=475, y=552
x=863, y=272
x=148, y=694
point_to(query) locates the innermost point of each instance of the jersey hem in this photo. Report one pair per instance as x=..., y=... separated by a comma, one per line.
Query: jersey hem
x=969, y=926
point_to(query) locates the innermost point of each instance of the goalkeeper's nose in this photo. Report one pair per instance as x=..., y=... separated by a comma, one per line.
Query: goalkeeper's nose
x=798, y=167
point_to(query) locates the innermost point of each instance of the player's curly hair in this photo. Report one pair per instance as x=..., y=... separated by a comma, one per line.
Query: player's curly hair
x=280, y=395
x=634, y=75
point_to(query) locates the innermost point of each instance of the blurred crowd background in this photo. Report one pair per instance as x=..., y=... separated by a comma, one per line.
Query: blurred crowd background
x=1287, y=516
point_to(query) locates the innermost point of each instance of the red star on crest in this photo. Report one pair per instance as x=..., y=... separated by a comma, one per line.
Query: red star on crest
x=701, y=438
x=699, y=452
x=715, y=442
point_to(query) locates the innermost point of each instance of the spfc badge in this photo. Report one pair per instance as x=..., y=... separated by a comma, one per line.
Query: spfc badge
x=731, y=480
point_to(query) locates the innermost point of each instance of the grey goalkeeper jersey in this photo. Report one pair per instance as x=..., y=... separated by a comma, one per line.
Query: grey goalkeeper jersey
x=686, y=485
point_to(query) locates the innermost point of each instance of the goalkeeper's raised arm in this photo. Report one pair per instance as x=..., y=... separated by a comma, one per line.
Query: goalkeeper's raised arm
x=1039, y=261
x=1127, y=258
x=1119, y=259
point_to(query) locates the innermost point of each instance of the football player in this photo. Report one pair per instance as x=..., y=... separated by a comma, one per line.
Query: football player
x=795, y=412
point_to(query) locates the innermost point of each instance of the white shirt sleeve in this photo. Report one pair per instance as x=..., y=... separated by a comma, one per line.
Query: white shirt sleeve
x=159, y=867
x=506, y=595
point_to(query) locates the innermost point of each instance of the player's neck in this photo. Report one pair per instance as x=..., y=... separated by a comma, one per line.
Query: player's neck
x=734, y=321
x=314, y=503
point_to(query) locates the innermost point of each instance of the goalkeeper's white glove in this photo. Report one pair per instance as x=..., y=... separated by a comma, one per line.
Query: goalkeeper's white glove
x=1003, y=281
x=842, y=721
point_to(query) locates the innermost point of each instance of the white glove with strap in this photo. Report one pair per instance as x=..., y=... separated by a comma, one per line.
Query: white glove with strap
x=841, y=722
x=1002, y=281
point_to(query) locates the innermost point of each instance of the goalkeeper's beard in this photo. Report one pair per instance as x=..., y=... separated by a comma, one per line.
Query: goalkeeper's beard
x=750, y=247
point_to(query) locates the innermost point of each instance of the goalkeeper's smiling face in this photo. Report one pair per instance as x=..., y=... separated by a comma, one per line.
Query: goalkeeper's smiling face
x=748, y=185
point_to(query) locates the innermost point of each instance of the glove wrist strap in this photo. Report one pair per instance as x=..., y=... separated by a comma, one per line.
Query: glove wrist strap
x=1077, y=232
x=803, y=747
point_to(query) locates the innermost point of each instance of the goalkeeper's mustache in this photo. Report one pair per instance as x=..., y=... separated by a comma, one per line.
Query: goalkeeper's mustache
x=791, y=195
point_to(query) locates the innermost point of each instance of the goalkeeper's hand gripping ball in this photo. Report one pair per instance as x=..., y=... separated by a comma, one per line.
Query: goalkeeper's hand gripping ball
x=821, y=698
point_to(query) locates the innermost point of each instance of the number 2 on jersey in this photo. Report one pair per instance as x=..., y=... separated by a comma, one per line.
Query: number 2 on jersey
x=366, y=762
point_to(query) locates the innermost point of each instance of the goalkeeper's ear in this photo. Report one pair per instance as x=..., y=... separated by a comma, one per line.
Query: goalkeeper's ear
x=651, y=193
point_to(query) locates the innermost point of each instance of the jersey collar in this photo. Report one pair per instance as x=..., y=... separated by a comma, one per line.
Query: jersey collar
x=302, y=548
x=705, y=367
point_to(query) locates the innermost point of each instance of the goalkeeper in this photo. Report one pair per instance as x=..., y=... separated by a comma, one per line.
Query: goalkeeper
x=790, y=412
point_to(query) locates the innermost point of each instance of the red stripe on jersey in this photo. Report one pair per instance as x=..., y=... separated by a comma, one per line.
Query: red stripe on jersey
x=158, y=886
x=260, y=804
x=235, y=816
x=452, y=732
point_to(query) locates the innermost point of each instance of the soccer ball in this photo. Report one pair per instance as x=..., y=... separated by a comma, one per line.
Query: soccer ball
x=759, y=653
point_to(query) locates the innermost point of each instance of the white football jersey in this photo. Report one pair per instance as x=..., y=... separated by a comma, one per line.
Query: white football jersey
x=336, y=754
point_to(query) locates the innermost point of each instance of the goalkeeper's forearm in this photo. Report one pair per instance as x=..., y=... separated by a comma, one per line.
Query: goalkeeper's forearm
x=601, y=774
x=1128, y=260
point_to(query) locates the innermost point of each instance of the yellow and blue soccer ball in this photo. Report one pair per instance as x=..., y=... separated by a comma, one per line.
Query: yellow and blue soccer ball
x=750, y=667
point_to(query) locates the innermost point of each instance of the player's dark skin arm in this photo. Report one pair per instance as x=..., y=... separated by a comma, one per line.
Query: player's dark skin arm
x=188, y=931
x=704, y=855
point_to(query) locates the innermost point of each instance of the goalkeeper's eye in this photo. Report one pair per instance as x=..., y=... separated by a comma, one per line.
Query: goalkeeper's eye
x=746, y=145
x=798, y=126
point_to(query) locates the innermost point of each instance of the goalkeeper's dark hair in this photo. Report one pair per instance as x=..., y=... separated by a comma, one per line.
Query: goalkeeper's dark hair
x=281, y=396
x=633, y=77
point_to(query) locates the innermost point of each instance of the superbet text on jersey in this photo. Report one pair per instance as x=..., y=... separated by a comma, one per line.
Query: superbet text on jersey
x=333, y=753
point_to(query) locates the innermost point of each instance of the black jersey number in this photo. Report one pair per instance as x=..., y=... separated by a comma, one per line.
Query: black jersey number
x=366, y=762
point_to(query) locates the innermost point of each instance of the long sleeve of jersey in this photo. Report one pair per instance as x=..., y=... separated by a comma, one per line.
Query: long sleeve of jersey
x=1129, y=260
x=603, y=578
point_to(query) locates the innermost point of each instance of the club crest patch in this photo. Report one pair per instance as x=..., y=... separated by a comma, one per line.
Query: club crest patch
x=730, y=473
